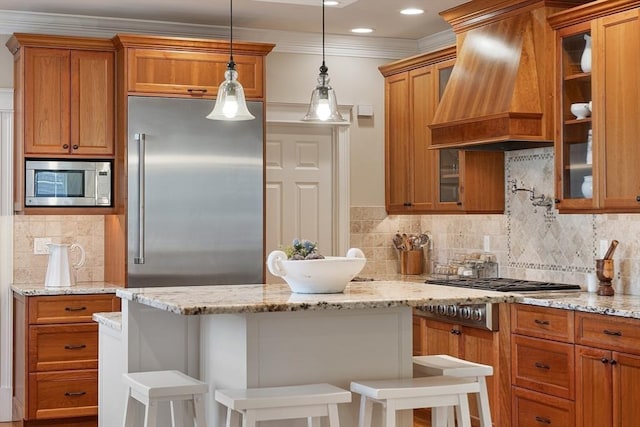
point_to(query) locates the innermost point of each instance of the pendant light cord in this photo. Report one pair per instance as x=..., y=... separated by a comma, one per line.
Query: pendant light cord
x=231, y=65
x=323, y=68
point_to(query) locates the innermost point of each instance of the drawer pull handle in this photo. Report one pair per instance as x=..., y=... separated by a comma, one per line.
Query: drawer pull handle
x=75, y=393
x=541, y=365
x=543, y=420
x=75, y=308
x=74, y=346
x=196, y=90
x=613, y=333
x=541, y=322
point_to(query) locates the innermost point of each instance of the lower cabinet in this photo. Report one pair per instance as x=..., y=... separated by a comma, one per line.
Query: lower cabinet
x=574, y=368
x=468, y=343
x=56, y=358
x=607, y=371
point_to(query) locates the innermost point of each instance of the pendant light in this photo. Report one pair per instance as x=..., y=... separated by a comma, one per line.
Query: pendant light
x=230, y=104
x=323, y=106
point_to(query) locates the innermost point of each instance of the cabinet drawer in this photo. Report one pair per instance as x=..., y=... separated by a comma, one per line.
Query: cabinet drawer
x=69, y=309
x=190, y=73
x=531, y=409
x=544, y=366
x=542, y=322
x=62, y=394
x=55, y=348
x=608, y=332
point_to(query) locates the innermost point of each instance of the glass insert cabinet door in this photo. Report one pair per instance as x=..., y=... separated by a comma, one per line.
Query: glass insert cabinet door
x=576, y=148
x=448, y=159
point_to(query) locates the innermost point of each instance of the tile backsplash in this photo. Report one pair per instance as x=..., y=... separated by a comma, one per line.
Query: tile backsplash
x=529, y=241
x=87, y=230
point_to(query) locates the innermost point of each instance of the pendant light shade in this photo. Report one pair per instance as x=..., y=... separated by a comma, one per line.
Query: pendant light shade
x=324, y=105
x=230, y=103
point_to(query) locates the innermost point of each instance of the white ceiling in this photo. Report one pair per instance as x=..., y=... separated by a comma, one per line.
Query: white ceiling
x=287, y=15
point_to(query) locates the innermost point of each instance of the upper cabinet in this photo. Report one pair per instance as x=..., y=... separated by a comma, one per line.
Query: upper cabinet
x=190, y=67
x=420, y=179
x=65, y=87
x=597, y=160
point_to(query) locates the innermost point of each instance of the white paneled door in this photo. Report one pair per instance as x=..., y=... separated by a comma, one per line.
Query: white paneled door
x=299, y=186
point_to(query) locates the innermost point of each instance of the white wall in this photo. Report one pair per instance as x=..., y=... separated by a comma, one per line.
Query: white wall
x=6, y=63
x=291, y=77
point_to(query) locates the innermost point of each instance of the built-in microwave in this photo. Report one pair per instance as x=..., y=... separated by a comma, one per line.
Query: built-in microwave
x=67, y=183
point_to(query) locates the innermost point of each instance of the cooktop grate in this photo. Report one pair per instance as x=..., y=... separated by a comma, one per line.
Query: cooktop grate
x=500, y=284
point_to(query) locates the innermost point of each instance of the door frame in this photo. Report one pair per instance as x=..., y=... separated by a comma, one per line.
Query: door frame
x=281, y=113
x=6, y=253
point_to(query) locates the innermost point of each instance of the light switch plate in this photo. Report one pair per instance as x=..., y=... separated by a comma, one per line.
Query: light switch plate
x=40, y=245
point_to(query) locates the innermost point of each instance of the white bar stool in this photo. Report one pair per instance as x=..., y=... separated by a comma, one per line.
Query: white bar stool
x=442, y=364
x=282, y=403
x=152, y=387
x=414, y=393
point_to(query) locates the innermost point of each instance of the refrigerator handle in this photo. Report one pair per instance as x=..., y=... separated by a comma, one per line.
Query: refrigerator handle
x=140, y=137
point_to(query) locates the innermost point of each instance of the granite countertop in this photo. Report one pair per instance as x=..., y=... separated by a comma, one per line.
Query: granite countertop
x=112, y=320
x=82, y=288
x=617, y=305
x=193, y=300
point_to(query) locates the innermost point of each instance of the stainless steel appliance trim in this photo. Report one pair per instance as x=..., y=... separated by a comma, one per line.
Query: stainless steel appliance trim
x=141, y=138
x=481, y=316
x=91, y=183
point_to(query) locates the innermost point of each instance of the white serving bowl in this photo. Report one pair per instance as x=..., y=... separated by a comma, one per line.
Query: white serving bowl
x=317, y=276
x=580, y=110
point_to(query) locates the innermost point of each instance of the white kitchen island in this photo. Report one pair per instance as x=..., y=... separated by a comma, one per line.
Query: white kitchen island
x=264, y=335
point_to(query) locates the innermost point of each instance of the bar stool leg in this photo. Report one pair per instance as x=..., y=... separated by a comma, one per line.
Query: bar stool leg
x=151, y=414
x=366, y=411
x=177, y=416
x=198, y=410
x=462, y=411
x=249, y=418
x=334, y=419
x=390, y=414
x=233, y=418
x=128, y=411
x=440, y=416
x=483, y=404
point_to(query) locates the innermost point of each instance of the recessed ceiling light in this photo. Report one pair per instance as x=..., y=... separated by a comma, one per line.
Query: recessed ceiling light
x=362, y=30
x=331, y=3
x=411, y=11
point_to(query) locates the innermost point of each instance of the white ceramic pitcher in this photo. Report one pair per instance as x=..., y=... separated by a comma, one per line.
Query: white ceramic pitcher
x=60, y=271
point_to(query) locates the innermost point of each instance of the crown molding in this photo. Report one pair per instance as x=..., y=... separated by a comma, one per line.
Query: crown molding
x=285, y=41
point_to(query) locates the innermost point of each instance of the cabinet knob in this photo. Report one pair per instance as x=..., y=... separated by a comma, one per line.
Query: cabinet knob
x=613, y=362
x=407, y=204
x=604, y=360
x=459, y=203
x=637, y=198
x=76, y=146
x=556, y=200
x=65, y=146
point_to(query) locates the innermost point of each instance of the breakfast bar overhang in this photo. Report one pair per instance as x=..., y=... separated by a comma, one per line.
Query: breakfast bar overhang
x=265, y=335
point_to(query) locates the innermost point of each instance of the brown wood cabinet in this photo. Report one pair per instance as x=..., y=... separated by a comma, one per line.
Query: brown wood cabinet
x=190, y=67
x=476, y=345
x=609, y=162
x=64, y=104
x=543, y=369
x=67, y=95
x=607, y=370
x=423, y=180
x=56, y=358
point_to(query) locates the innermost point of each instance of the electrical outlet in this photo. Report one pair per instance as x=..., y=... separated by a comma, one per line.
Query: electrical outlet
x=40, y=245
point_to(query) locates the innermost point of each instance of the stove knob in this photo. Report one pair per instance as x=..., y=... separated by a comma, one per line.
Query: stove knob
x=442, y=309
x=477, y=314
x=452, y=311
x=431, y=308
x=465, y=312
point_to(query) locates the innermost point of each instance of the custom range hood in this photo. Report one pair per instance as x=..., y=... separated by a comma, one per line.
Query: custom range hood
x=500, y=93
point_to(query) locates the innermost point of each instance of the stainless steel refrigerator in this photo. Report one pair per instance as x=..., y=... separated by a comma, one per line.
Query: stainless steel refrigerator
x=195, y=195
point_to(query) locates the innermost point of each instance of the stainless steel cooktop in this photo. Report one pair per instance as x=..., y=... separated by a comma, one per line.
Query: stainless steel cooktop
x=500, y=284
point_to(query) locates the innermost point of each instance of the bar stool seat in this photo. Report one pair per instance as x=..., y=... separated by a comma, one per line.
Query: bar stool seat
x=281, y=403
x=442, y=364
x=394, y=395
x=153, y=387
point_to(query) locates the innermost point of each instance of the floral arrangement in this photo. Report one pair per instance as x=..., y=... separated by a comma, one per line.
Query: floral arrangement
x=304, y=249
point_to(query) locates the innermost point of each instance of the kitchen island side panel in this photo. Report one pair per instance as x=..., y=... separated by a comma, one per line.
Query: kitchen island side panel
x=287, y=348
